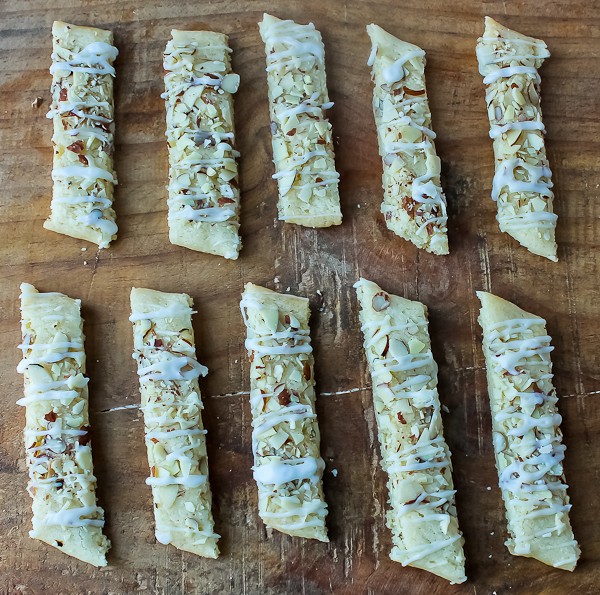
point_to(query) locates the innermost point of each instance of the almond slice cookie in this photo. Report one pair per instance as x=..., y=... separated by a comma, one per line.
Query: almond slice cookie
x=509, y=63
x=285, y=437
x=82, y=112
x=168, y=372
x=414, y=205
x=414, y=453
x=57, y=432
x=527, y=437
x=302, y=138
x=204, y=196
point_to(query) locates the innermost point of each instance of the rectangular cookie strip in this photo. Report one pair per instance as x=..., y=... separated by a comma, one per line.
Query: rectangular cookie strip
x=204, y=196
x=302, y=137
x=414, y=205
x=172, y=404
x=82, y=112
x=527, y=436
x=57, y=440
x=414, y=453
x=509, y=63
x=285, y=437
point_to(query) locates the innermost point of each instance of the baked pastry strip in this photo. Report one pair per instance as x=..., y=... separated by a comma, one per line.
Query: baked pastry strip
x=82, y=113
x=509, y=63
x=204, y=195
x=168, y=373
x=57, y=432
x=301, y=133
x=414, y=205
x=414, y=453
x=287, y=468
x=527, y=437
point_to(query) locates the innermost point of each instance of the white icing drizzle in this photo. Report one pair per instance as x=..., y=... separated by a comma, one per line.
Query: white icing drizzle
x=403, y=363
x=310, y=105
x=509, y=71
x=395, y=71
x=95, y=218
x=416, y=553
x=537, y=219
x=51, y=395
x=315, y=507
x=277, y=472
x=290, y=414
x=88, y=132
x=209, y=214
x=172, y=369
x=511, y=353
x=50, y=358
x=425, y=191
x=215, y=81
x=88, y=173
x=70, y=517
x=505, y=178
x=303, y=44
x=404, y=147
x=55, y=431
x=98, y=53
x=504, y=53
x=85, y=480
x=496, y=131
x=64, y=107
x=294, y=164
x=295, y=342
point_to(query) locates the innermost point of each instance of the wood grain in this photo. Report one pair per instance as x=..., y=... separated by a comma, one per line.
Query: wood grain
x=281, y=256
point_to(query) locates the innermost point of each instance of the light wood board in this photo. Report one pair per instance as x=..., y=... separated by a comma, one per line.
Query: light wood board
x=281, y=256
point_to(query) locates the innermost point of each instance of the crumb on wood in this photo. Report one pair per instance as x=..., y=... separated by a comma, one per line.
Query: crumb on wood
x=37, y=102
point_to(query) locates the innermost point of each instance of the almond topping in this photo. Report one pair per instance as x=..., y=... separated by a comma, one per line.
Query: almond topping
x=284, y=397
x=306, y=371
x=76, y=147
x=380, y=301
x=84, y=438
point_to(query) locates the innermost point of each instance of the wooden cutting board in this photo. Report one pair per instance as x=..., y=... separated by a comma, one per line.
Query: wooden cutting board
x=310, y=263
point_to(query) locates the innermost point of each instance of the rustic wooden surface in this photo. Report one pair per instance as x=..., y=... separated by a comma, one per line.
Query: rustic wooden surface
x=281, y=256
